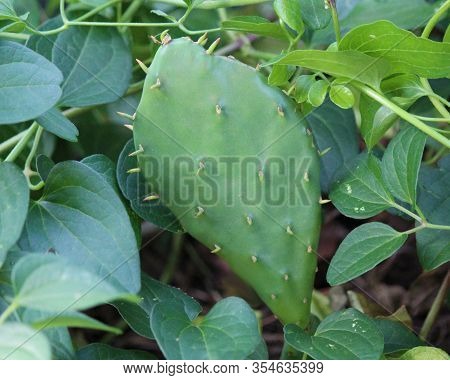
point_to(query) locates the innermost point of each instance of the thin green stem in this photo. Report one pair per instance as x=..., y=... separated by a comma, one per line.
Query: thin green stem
x=62, y=11
x=34, y=148
x=21, y=145
x=414, y=230
x=407, y=212
x=439, y=98
x=15, y=36
x=432, y=119
x=131, y=10
x=420, y=213
x=335, y=18
x=425, y=34
x=404, y=114
x=436, y=156
x=442, y=10
x=437, y=226
x=119, y=11
x=174, y=258
x=28, y=172
x=435, y=307
x=214, y=4
x=5, y=145
x=436, y=103
x=96, y=10
x=8, y=311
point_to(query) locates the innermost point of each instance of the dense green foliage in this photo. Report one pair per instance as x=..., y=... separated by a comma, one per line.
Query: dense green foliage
x=348, y=98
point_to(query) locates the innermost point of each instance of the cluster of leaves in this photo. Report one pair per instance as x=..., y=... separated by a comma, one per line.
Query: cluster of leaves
x=73, y=241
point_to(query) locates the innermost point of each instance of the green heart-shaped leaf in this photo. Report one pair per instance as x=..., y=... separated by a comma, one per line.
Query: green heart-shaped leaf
x=228, y=331
x=360, y=191
x=362, y=249
x=343, y=335
x=21, y=342
x=81, y=217
x=13, y=206
x=52, y=283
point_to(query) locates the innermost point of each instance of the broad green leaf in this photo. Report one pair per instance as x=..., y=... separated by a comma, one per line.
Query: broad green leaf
x=403, y=89
x=433, y=246
x=228, y=332
x=10, y=21
x=103, y=166
x=107, y=169
x=44, y=165
x=40, y=320
x=342, y=96
x=43, y=45
x=21, y=342
x=280, y=75
x=314, y=13
x=375, y=120
x=51, y=283
x=58, y=337
x=61, y=343
x=360, y=192
x=351, y=65
x=425, y=353
x=447, y=35
x=55, y=122
x=30, y=83
x=89, y=81
x=363, y=249
x=401, y=163
x=406, y=14
x=334, y=129
x=343, y=335
x=302, y=86
x=100, y=351
x=405, y=52
x=81, y=217
x=289, y=12
x=152, y=293
x=318, y=92
x=134, y=188
x=397, y=337
x=255, y=25
x=260, y=352
x=13, y=206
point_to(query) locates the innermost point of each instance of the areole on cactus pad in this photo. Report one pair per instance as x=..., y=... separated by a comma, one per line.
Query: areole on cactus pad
x=232, y=159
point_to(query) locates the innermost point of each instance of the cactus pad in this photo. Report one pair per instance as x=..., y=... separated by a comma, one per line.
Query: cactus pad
x=236, y=166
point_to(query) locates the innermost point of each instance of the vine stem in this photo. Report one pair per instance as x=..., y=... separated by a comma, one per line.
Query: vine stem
x=214, y=4
x=335, y=17
x=435, y=307
x=22, y=143
x=425, y=34
x=125, y=21
x=177, y=245
x=404, y=114
x=409, y=213
x=8, y=311
x=12, y=141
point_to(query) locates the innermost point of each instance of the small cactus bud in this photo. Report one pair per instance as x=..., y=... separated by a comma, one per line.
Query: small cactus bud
x=136, y=152
x=199, y=211
x=216, y=249
x=142, y=66
x=289, y=230
x=203, y=39
x=134, y=170
x=280, y=111
x=254, y=259
x=157, y=84
x=152, y=197
x=213, y=46
x=249, y=220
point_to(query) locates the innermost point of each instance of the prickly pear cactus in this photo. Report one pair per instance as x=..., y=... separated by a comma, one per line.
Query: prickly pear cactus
x=236, y=166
